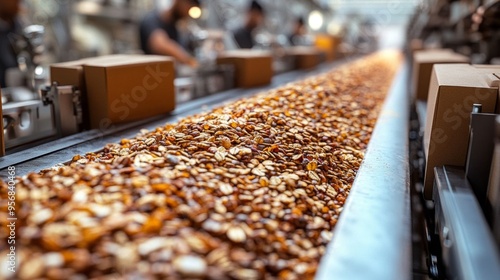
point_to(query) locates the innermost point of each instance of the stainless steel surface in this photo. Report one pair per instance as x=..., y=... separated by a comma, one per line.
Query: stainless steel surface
x=283, y=63
x=469, y=250
x=184, y=89
x=421, y=108
x=372, y=237
x=25, y=122
x=29, y=47
x=211, y=79
x=67, y=108
x=29, y=117
x=479, y=154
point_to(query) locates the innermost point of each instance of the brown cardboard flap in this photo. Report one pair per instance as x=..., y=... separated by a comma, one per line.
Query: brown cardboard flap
x=493, y=80
x=423, y=61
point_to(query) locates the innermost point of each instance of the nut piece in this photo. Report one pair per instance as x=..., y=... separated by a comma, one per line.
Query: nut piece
x=236, y=234
x=190, y=266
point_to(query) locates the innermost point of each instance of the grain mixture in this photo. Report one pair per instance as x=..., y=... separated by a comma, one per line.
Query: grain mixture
x=251, y=190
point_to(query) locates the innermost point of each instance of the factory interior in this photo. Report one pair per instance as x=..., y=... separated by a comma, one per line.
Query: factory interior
x=250, y=139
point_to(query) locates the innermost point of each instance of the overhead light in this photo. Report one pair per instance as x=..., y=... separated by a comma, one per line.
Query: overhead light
x=315, y=20
x=334, y=28
x=195, y=12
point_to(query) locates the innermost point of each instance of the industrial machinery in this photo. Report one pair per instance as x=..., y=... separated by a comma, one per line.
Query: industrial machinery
x=34, y=112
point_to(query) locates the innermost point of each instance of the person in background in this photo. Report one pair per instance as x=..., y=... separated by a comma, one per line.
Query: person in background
x=255, y=17
x=159, y=34
x=9, y=24
x=299, y=30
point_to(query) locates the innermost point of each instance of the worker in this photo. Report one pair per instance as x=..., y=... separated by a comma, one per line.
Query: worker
x=254, y=18
x=159, y=34
x=9, y=25
x=299, y=30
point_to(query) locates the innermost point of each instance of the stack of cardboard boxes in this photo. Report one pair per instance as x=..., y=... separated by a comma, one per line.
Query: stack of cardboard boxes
x=423, y=61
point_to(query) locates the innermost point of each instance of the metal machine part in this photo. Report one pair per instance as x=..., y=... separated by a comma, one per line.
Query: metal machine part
x=208, y=79
x=468, y=247
x=28, y=117
x=66, y=108
x=372, y=238
x=479, y=155
x=216, y=78
x=25, y=117
x=29, y=47
x=494, y=185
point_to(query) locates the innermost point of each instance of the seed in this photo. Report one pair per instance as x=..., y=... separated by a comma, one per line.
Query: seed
x=258, y=172
x=41, y=216
x=226, y=142
x=234, y=150
x=245, y=151
x=275, y=180
x=190, y=266
x=312, y=165
x=297, y=157
x=226, y=189
x=80, y=196
x=220, y=208
x=53, y=260
x=150, y=141
x=151, y=245
x=33, y=268
x=264, y=182
x=212, y=226
x=236, y=234
x=313, y=175
x=220, y=156
x=245, y=274
x=267, y=163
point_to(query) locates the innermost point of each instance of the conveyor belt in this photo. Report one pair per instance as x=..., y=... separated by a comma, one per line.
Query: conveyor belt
x=62, y=150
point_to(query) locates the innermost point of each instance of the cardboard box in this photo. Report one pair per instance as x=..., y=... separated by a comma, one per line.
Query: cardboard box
x=252, y=68
x=454, y=88
x=128, y=87
x=328, y=44
x=422, y=68
x=305, y=57
x=71, y=74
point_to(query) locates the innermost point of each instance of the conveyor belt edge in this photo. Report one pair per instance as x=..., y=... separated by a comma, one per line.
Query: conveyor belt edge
x=372, y=239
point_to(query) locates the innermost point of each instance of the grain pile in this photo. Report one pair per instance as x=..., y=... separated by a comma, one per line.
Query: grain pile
x=251, y=190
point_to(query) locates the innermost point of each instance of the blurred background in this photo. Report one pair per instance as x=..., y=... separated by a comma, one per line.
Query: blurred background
x=74, y=29
x=82, y=28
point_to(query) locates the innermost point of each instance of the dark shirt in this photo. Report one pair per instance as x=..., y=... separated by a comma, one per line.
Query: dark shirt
x=244, y=38
x=292, y=38
x=151, y=22
x=8, y=58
